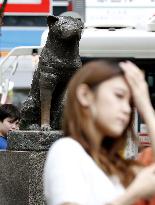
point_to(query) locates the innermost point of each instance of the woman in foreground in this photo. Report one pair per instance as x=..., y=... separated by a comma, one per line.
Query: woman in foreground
x=86, y=167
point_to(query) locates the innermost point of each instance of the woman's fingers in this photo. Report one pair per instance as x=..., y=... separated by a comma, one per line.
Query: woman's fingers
x=136, y=81
x=134, y=77
x=132, y=73
x=131, y=68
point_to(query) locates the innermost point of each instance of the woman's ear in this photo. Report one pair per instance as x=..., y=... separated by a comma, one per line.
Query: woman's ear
x=84, y=95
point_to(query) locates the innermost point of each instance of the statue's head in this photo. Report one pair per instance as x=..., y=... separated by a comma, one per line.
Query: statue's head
x=65, y=27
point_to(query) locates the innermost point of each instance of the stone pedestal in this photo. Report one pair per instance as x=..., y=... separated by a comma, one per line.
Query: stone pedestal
x=22, y=167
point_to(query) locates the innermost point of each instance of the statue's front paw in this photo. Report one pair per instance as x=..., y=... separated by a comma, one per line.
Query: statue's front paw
x=35, y=127
x=46, y=127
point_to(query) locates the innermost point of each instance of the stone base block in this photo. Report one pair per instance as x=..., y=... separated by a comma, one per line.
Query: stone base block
x=32, y=140
x=21, y=177
x=22, y=167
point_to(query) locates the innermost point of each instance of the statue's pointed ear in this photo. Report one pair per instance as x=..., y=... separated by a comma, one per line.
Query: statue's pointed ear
x=51, y=20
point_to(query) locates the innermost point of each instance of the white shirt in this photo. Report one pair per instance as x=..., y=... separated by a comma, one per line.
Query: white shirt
x=71, y=175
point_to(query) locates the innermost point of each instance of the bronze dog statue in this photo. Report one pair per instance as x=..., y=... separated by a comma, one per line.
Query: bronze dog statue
x=58, y=61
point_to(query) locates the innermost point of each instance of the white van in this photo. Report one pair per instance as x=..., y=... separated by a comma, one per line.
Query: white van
x=118, y=41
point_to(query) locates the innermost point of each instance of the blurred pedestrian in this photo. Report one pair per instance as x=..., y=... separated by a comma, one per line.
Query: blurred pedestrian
x=86, y=167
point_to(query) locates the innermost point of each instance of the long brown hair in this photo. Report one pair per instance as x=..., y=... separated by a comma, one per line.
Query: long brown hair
x=76, y=123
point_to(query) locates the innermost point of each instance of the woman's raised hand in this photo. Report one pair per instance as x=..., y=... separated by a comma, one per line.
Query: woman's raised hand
x=140, y=93
x=143, y=186
x=139, y=88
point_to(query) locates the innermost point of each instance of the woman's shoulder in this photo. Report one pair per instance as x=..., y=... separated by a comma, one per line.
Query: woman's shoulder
x=66, y=146
x=64, y=154
x=66, y=142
